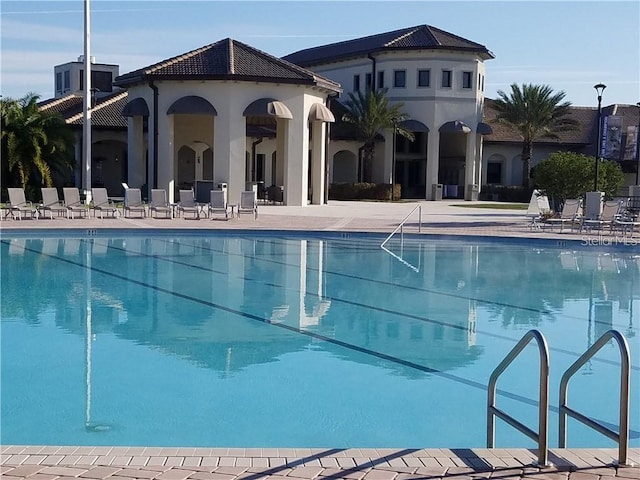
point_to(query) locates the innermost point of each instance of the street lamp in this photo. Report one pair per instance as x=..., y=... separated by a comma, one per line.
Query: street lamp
x=599, y=88
x=638, y=147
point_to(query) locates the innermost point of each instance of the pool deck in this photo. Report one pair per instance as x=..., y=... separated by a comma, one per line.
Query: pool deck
x=443, y=218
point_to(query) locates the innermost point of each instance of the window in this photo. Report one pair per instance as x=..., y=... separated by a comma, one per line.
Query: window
x=446, y=78
x=380, y=79
x=424, y=78
x=356, y=83
x=482, y=84
x=399, y=78
x=466, y=79
x=102, y=81
x=367, y=81
x=494, y=172
x=67, y=79
x=58, y=82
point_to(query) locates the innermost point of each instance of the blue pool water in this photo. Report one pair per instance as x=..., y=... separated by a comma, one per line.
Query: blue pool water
x=291, y=340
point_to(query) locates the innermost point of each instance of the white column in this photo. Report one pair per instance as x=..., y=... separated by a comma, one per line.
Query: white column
x=479, y=170
x=433, y=160
x=296, y=163
x=166, y=156
x=470, y=164
x=229, y=147
x=318, y=162
x=281, y=148
x=387, y=166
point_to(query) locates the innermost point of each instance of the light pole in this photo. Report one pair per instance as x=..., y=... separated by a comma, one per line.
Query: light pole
x=638, y=147
x=599, y=88
x=393, y=160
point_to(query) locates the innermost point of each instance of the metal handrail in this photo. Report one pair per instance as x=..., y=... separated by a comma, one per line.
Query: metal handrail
x=400, y=227
x=623, y=436
x=543, y=406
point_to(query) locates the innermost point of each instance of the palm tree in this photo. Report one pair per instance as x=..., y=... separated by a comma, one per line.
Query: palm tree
x=35, y=143
x=535, y=111
x=371, y=113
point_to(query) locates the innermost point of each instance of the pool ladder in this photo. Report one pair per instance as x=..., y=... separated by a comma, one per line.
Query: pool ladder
x=541, y=436
x=400, y=228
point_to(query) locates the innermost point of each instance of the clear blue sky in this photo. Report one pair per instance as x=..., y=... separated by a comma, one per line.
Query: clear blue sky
x=569, y=45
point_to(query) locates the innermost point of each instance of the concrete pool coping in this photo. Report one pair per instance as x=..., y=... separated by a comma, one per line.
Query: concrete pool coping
x=442, y=218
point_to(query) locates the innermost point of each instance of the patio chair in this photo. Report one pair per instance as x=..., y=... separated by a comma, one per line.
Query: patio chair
x=570, y=214
x=218, y=203
x=610, y=212
x=18, y=204
x=51, y=203
x=133, y=202
x=188, y=203
x=627, y=221
x=159, y=203
x=248, y=203
x=102, y=204
x=73, y=204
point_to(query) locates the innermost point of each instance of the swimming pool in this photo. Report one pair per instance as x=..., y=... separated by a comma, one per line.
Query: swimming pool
x=290, y=340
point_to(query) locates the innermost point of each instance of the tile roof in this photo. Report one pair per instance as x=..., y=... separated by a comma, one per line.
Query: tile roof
x=227, y=59
x=583, y=135
x=412, y=38
x=107, y=113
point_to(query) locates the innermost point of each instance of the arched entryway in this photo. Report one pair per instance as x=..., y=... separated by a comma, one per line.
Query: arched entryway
x=452, y=158
x=344, y=167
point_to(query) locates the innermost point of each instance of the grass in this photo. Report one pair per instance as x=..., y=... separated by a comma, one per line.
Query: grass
x=496, y=206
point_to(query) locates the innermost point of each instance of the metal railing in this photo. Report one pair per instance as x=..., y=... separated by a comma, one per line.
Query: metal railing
x=623, y=436
x=541, y=436
x=400, y=227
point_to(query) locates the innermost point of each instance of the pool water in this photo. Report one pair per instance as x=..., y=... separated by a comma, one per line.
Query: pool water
x=288, y=340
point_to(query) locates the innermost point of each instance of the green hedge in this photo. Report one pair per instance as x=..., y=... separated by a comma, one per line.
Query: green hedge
x=501, y=193
x=363, y=191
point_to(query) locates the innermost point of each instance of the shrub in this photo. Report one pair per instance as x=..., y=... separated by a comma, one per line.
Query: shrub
x=502, y=193
x=363, y=191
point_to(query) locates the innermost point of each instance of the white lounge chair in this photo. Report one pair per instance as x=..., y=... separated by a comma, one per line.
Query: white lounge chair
x=73, y=204
x=218, y=203
x=188, y=203
x=102, y=204
x=248, y=203
x=133, y=202
x=570, y=214
x=611, y=210
x=19, y=205
x=51, y=202
x=159, y=203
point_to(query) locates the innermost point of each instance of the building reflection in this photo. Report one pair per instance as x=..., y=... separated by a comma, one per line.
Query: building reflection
x=218, y=301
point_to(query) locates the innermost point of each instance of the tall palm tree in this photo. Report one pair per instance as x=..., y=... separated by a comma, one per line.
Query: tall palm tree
x=371, y=113
x=35, y=143
x=535, y=111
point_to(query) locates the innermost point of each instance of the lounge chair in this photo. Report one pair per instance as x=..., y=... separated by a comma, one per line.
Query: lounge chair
x=159, y=203
x=218, y=203
x=610, y=212
x=133, y=202
x=188, y=203
x=18, y=204
x=51, y=202
x=73, y=204
x=628, y=220
x=248, y=203
x=570, y=214
x=102, y=204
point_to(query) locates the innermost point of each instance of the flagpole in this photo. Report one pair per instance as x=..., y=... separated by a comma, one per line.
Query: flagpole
x=86, y=125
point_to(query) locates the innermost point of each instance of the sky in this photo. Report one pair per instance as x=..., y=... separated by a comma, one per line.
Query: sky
x=568, y=45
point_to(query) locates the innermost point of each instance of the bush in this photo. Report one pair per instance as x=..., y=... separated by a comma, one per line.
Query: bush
x=502, y=193
x=363, y=191
x=570, y=175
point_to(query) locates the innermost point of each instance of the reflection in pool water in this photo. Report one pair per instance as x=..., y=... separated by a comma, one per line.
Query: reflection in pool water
x=263, y=340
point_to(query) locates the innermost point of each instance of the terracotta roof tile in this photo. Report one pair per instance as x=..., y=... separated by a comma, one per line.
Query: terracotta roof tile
x=228, y=59
x=419, y=37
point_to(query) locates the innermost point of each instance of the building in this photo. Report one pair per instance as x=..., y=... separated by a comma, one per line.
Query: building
x=229, y=113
